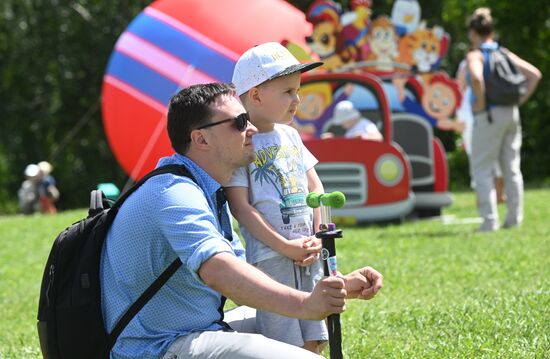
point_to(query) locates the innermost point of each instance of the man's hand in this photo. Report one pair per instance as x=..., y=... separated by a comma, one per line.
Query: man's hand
x=363, y=283
x=304, y=251
x=328, y=297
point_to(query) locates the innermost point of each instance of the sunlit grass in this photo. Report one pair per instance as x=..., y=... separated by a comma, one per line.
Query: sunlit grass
x=449, y=292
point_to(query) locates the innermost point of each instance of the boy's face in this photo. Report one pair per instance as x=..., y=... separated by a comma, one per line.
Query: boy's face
x=280, y=98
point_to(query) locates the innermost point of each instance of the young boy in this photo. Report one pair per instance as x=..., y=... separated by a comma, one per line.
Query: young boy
x=268, y=197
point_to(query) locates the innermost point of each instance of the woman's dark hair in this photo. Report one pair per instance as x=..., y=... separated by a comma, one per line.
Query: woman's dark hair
x=481, y=21
x=190, y=108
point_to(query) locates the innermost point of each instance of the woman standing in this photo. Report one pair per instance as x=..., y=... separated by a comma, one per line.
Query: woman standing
x=496, y=135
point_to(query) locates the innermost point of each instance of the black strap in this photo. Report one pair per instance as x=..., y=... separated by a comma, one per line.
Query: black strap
x=168, y=272
x=96, y=202
x=174, y=169
x=487, y=52
x=221, y=199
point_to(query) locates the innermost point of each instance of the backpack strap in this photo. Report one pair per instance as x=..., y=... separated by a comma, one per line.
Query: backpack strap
x=142, y=300
x=486, y=53
x=96, y=202
x=179, y=170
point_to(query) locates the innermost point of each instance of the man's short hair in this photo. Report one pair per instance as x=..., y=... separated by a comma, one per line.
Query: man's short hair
x=190, y=108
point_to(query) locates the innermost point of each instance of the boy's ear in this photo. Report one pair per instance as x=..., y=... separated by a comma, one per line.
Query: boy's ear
x=254, y=95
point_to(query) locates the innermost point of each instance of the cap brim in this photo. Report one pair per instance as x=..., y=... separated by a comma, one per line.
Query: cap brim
x=297, y=68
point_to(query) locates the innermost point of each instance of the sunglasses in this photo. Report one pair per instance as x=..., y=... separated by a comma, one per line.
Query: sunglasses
x=241, y=122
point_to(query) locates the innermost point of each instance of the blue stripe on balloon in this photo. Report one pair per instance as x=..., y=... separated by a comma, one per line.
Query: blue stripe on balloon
x=141, y=78
x=183, y=46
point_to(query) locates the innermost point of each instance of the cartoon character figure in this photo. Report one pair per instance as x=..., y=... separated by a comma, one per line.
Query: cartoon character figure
x=382, y=40
x=421, y=49
x=337, y=37
x=355, y=23
x=405, y=16
x=327, y=35
x=439, y=100
x=316, y=107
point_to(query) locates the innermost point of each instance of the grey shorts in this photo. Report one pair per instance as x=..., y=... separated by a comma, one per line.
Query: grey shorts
x=285, y=329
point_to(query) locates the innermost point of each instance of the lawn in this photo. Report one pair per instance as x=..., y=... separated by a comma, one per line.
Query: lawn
x=448, y=292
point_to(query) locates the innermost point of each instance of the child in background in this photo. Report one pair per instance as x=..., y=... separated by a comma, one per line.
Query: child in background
x=28, y=192
x=356, y=126
x=47, y=190
x=268, y=197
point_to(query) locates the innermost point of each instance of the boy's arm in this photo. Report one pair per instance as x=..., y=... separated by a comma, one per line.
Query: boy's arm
x=254, y=222
x=314, y=184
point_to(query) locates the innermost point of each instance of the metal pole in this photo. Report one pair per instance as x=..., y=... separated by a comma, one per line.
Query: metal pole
x=327, y=233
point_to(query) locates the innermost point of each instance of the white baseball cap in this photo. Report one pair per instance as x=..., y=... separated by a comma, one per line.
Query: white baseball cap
x=266, y=62
x=343, y=112
x=32, y=170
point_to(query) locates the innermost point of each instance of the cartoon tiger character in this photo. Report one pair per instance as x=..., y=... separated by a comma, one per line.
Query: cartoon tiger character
x=382, y=40
x=420, y=49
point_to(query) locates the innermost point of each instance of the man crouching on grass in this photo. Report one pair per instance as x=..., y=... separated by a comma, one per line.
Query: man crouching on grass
x=211, y=136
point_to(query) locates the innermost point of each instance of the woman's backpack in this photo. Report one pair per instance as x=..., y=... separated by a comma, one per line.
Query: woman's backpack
x=504, y=83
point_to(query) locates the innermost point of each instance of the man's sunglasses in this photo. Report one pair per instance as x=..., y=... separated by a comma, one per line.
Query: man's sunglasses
x=241, y=122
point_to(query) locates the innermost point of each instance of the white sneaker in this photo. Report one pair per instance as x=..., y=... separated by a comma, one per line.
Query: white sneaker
x=488, y=227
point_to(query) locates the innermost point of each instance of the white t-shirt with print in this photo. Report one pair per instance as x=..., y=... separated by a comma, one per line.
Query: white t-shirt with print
x=277, y=187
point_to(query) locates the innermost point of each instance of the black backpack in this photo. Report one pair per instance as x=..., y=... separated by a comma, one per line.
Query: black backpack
x=70, y=321
x=504, y=84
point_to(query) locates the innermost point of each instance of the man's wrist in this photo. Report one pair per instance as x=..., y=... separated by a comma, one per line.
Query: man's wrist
x=303, y=308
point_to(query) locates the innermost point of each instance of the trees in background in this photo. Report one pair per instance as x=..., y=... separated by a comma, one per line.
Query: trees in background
x=53, y=54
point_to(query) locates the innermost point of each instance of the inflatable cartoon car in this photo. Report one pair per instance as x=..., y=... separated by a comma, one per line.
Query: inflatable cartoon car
x=375, y=176
x=426, y=154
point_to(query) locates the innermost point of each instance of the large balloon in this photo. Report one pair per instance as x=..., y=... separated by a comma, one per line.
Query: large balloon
x=173, y=44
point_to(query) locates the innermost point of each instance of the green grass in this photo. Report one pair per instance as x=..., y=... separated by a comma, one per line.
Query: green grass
x=448, y=292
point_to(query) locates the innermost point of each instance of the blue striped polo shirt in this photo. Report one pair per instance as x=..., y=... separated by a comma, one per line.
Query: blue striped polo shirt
x=168, y=216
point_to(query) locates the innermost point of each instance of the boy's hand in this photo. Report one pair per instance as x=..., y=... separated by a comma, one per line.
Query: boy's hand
x=304, y=250
x=313, y=243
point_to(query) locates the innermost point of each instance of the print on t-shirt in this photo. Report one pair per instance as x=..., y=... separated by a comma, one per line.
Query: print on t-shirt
x=283, y=178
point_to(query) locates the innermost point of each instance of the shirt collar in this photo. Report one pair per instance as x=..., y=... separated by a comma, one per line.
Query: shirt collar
x=208, y=184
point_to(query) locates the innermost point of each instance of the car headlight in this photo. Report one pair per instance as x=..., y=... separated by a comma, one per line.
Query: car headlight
x=388, y=170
